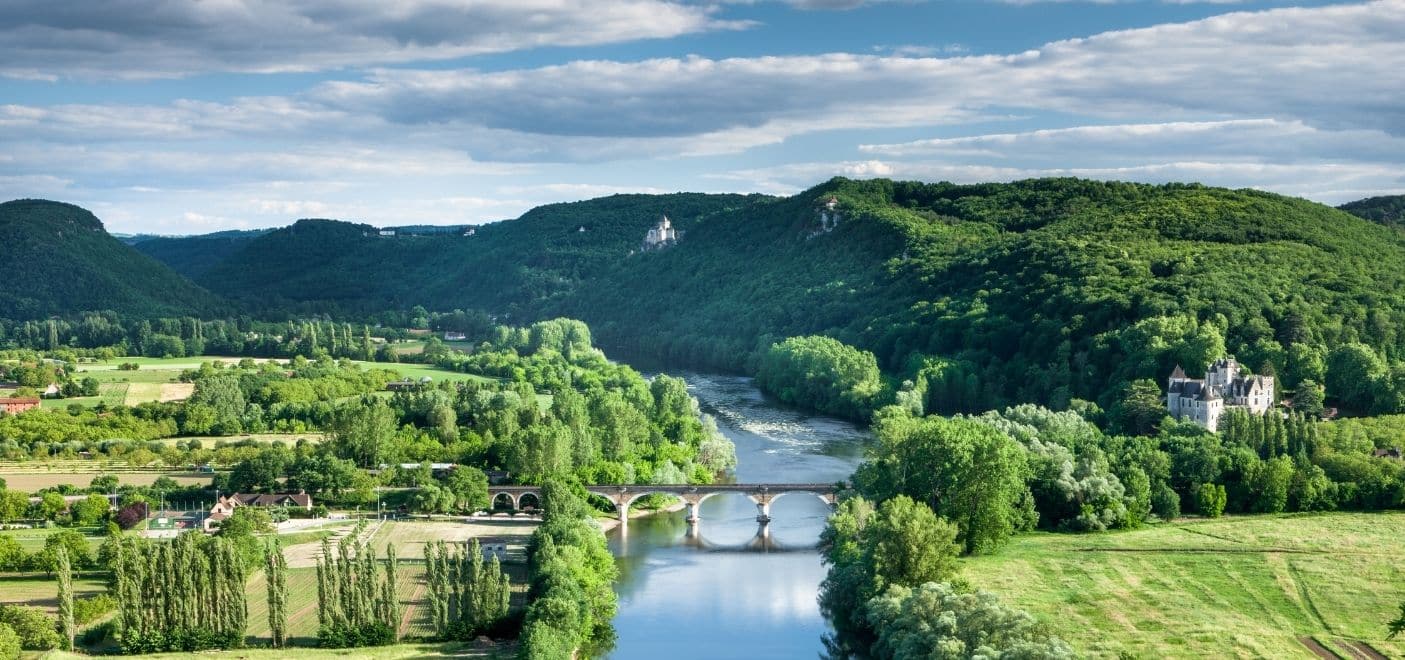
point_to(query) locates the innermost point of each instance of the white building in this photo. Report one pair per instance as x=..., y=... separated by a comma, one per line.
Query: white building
x=1204, y=401
x=660, y=235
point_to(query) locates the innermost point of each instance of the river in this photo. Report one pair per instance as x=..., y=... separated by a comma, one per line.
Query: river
x=726, y=592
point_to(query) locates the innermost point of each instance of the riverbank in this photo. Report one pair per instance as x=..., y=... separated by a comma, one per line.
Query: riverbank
x=608, y=524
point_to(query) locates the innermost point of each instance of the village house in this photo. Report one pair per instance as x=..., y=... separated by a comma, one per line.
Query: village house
x=17, y=405
x=224, y=507
x=492, y=546
x=1225, y=386
x=455, y=336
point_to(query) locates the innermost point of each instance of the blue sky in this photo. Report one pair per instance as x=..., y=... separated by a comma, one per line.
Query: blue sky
x=191, y=117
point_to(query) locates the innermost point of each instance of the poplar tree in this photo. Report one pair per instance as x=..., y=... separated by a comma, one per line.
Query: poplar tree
x=65, y=573
x=277, y=569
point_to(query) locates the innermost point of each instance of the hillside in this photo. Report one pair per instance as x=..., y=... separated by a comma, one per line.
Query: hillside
x=56, y=258
x=325, y=265
x=1388, y=210
x=191, y=256
x=1040, y=290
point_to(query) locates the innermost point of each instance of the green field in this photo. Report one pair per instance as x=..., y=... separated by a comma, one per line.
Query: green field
x=32, y=540
x=393, y=652
x=43, y=592
x=1232, y=587
x=30, y=478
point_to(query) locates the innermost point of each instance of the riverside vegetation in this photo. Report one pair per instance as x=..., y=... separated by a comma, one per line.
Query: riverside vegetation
x=1006, y=341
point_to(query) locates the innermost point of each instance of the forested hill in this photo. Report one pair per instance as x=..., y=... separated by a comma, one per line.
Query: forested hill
x=1388, y=210
x=1039, y=290
x=324, y=265
x=191, y=256
x=56, y=258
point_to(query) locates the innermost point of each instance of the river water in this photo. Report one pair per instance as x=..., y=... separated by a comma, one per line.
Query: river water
x=725, y=590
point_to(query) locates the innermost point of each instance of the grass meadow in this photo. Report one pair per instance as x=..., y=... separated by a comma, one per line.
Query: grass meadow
x=1232, y=587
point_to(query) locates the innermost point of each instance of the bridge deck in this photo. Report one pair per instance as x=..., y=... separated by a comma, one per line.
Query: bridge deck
x=684, y=488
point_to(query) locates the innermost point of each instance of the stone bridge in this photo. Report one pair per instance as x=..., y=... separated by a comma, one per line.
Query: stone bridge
x=622, y=496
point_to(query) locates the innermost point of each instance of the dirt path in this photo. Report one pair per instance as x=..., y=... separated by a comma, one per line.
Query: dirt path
x=1362, y=650
x=1317, y=648
x=409, y=615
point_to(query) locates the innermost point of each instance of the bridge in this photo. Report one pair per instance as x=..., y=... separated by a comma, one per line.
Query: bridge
x=622, y=496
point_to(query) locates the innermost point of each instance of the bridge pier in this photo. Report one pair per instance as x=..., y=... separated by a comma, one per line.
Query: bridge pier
x=763, y=508
x=694, y=511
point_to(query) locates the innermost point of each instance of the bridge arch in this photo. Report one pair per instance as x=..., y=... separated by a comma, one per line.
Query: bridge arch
x=504, y=500
x=827, y=498
x=524, y=499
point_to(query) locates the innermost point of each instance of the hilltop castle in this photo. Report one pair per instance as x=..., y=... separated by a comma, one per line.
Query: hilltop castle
x=660, y=236
x=1203, y=401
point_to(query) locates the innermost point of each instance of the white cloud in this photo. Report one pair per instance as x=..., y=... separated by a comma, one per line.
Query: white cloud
x=158, y=38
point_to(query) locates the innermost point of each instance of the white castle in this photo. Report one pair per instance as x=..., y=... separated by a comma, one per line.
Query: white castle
x=660, y=235
x=1203, y=401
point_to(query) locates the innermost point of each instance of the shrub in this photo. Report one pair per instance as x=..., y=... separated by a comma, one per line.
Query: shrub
x=1210, y=500
x=88, y=610
x=35, y=629
x=129, y=516
x=9, y=643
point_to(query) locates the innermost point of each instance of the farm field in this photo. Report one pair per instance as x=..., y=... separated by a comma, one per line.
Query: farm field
x=32, y=540
x=43, y=592
x=29, y=478
x=417, y=371
x=393, y=652
x=411, y=536
x=1230, y=587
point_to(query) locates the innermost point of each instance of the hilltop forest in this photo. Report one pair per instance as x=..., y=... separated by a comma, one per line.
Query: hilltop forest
x=979, y=296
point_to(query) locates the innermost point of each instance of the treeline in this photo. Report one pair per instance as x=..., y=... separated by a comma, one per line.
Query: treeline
x=570, y=572
x=468, y=597
x=934, y=488
x=185, y=595
x=357, y=603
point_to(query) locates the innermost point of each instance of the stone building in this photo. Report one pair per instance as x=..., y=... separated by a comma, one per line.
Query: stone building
x=1225, y=385
x=661, y=235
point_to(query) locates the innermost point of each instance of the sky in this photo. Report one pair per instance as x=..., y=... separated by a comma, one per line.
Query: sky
x=173, y=117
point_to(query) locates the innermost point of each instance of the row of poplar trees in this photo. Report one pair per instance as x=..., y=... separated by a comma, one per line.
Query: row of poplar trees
x=467, y=596
x=186, y=595
x=355, y=606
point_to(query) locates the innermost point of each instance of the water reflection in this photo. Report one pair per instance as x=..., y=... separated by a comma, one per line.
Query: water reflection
x=729, y=586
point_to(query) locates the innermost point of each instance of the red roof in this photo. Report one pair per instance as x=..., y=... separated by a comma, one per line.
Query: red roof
x=21, y=399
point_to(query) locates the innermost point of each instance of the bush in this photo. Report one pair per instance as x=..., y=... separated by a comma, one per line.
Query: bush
x=9, y=643
x=88, y=610
x=129, y=516
x=35, y=629
x=1210, y=500
x=99, y=634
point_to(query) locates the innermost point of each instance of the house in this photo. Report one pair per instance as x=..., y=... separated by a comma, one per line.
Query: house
x=17, y=405
x=406, y=385
x=1388, y=452
x=661, y=235
x=492, y=546
x=387, y=232
x=224, y=507
x=470, y=231
x=1224, y=386
x=455, y=336
x=51, y=392
x=497, y=477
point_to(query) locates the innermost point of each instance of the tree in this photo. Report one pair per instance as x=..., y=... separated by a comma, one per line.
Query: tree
x=68, y=542
x=362, y=431
x=90, y=510
x=1351, y=370
x=1210, y=500
x=9, y=643
x=935, y=621
x=51, y=505
x=469, y=486
x=1308, y=398
x=12, y=555
x=967, y=471
x=276, y=574
x=34, y=628
x=1141, y=408
x=822, y=373
x=905, y=543
x=67, y=628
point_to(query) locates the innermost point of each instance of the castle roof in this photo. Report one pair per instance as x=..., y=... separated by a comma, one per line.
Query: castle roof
x=1210, y=394
x=1179, y=373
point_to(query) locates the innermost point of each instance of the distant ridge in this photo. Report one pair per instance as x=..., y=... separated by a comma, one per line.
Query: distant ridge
x=56, y=258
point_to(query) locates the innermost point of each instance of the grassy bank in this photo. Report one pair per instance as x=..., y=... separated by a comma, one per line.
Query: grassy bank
x=1243, y=587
